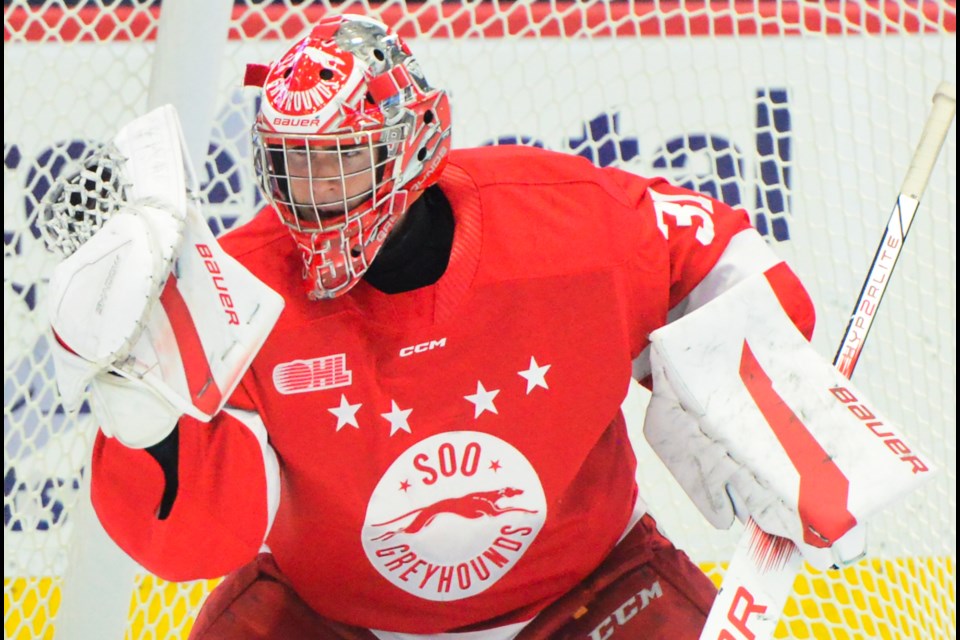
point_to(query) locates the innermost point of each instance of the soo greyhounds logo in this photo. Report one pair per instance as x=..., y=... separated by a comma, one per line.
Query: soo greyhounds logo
x=452, y=515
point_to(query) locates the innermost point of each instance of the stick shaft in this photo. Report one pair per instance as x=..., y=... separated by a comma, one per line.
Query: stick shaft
x=888, y=252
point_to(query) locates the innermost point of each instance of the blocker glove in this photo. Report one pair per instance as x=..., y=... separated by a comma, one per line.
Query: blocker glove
x=751, y=421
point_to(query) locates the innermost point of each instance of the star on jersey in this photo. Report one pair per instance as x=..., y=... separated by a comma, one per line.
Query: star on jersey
x=535, y=375
x=482, y=400
x=346, y=413
x=397, y=418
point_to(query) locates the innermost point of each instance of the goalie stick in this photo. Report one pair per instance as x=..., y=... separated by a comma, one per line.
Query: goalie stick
x=760, y=577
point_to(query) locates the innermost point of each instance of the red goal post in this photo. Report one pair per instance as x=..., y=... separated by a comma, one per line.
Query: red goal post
x=803, y=113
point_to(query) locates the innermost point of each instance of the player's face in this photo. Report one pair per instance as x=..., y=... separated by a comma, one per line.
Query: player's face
x=327, y=182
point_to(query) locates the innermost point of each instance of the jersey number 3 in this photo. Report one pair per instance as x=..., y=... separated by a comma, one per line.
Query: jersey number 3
x=685, y=208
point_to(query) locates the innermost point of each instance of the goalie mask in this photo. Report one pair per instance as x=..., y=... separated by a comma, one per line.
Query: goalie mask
x=348, y=135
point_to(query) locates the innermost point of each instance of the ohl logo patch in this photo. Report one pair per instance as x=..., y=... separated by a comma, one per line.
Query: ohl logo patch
x=318, y=374
x=453, y=515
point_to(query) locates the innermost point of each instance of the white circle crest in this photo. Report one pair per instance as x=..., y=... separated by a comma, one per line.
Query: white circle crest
x=452, y=515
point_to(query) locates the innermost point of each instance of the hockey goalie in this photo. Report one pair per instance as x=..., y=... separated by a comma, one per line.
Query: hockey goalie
x=389, y=406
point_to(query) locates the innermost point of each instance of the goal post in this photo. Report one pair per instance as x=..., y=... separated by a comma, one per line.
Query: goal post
x=802, y=113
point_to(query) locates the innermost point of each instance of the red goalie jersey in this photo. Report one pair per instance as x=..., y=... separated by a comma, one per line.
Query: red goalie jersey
x=456, y=454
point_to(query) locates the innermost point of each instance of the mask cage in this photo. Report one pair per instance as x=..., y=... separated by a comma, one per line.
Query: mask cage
x=320, y=183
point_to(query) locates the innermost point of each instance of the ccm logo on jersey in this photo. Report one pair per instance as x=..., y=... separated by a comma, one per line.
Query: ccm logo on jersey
x=423, y=346
x=626, y=611
x=214, y=269
x=301, y=376
x=874, y=424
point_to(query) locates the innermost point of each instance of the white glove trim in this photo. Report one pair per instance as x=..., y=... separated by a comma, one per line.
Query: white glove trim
x=131, y=412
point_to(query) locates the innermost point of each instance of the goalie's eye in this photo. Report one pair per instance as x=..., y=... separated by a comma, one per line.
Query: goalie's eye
x=328, y=162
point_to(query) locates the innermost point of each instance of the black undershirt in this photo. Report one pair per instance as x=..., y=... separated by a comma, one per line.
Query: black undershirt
x=415, y=255
x=167, y=454
x=417, y=252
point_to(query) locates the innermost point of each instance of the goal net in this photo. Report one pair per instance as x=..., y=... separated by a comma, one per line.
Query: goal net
x=803, y=113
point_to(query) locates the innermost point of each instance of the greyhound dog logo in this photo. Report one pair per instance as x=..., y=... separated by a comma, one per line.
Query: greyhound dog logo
x=473, y=505
x=452, y=515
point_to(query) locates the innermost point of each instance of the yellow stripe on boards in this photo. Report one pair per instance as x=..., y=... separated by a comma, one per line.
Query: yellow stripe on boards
x=899, y=599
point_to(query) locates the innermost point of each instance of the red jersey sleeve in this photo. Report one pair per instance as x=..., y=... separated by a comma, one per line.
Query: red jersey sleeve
x=696, y=228
x=705, y=248
x=219, y=518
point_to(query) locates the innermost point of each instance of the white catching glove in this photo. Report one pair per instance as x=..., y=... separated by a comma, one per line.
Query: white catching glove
x=101, y=297
x=153, y=313
x=751, y=421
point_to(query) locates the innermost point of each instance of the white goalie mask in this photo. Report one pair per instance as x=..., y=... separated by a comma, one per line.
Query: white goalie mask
x=348, y=135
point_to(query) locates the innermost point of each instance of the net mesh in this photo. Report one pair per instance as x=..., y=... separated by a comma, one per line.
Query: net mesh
x=80, y=201
x=803, y=113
